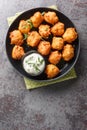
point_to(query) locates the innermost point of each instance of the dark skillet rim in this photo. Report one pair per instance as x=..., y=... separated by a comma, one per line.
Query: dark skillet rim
x=55, y=78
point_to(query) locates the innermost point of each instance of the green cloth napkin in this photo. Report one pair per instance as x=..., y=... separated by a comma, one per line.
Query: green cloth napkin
x=31, y=84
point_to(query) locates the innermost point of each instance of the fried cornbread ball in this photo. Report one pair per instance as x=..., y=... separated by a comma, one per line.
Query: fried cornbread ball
x=24, y=26
x=51, y=70
x=51, y=17
x=57, y=43
x=33, y=39
x=70, y=35
x=17, y=52
x=44, y=30
x=68, y=52
x=58, y=29
x=16, y=37
x=37, y=19
x=54, y=57
x=44, y=47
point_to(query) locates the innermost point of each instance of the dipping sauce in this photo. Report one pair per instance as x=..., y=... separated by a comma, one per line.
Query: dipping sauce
x=34, y=64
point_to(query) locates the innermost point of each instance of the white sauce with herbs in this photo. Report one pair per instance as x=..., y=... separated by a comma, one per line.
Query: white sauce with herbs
x=34, y=64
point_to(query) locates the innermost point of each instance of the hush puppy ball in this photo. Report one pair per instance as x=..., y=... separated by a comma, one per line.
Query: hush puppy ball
x=33, y=39
x=17, y=52
x=58, y=29
x=37, y=19
x=16, y=37
x=70, y=35
x=57, y=43
x=68, y=52
x=54, y=57
x=44, y=47
x=44, y=31
x=52, y=71
x=51, y=17
x=24, y=26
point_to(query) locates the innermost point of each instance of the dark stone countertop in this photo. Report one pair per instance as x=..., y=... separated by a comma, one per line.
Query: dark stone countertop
x=62, y=106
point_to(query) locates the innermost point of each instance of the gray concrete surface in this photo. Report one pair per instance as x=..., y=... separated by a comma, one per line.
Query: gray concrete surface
x=61, y=106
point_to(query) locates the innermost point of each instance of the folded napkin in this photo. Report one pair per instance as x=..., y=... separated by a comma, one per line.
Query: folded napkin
x=31, y=84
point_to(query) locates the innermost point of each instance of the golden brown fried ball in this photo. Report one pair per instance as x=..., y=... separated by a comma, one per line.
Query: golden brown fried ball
x=16, y=37
x=58, y=29
x=37, y=19
x=17, y=52
x=57, y=43
x=44, y=47
x=70, y=35
x=51, y=17
x=52, y=70
x=24, y=26
x=44, y=30
x=33, y=39
x=68, y=52
x=54, y=57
